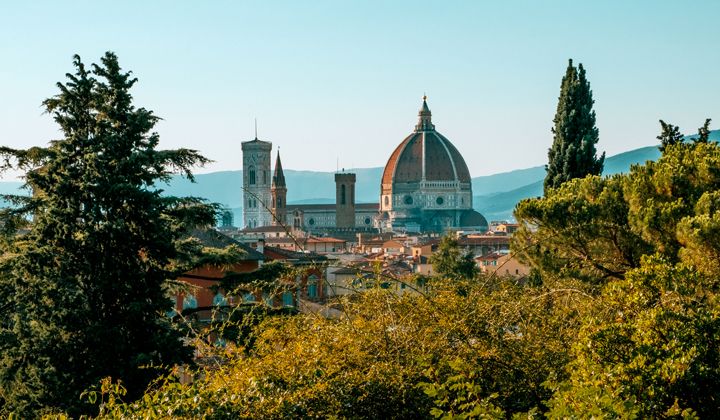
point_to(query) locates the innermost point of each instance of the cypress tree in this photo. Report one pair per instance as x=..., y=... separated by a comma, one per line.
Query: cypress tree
x=84, y=287
x=573, y=153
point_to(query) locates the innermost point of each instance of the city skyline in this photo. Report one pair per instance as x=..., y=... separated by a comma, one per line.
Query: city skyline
x=339, y=85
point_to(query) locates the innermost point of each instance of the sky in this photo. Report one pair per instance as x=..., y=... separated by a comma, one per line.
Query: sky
x=339, y=83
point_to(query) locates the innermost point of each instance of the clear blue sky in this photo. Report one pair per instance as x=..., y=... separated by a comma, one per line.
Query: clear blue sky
x=331, y=80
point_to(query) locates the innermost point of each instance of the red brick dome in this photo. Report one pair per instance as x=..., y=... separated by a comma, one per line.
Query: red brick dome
x=425, y=154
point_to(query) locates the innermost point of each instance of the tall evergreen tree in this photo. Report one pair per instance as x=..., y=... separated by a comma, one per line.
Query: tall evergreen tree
x=83, y=290
x=573, y=153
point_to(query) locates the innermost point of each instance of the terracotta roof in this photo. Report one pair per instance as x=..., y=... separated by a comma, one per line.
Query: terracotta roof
x=484, y=240
x=314, y=239
x=490, y=257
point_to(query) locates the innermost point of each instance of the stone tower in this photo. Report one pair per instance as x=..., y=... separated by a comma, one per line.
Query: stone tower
x=279, y=193
x=257, y=199
x=345, y=200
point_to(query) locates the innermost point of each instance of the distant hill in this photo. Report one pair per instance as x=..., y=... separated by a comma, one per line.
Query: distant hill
x=495, y=195
x=499, y=206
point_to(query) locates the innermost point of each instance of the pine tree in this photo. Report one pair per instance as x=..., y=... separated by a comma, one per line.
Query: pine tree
x=573, y=153
x=84, y=290
x=669, y=136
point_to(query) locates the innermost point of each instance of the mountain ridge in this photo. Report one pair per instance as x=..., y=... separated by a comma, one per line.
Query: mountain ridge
x=495, y=196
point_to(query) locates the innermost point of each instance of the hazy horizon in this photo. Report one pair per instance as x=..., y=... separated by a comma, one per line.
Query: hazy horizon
x=339, y=84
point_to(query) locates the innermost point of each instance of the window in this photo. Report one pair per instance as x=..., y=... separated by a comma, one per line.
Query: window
x=288, y=299
x=387, y=200
x=408, y=199
x=249, y=297
x=311, y=222
x=342, y=194
x=219, y=300
x=189, y=302
x=251, y=176
x=440, y=201
x=312, y=289
x=367, y=220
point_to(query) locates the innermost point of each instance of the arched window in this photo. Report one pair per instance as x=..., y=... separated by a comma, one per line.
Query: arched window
x=189, y=302
x=249, y=297
x=251, y=176
x=342, y=194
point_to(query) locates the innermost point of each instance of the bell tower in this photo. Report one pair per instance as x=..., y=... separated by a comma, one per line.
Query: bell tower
x=345, y=200
x=256, y=183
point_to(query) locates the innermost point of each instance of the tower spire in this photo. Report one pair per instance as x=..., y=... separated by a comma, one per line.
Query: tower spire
x=424, y=117
x=256, y=129
x=278, y=179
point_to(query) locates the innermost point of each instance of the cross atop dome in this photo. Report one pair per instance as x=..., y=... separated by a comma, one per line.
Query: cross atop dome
x=425, y=117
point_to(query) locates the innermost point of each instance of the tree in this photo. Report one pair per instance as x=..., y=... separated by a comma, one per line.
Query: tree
x=670, y=135
x=573, y=154
x=649, y=243
x=704, y=132
x=85, y=286
x=449, y=260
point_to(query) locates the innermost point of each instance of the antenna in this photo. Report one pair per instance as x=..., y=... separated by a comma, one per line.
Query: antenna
x=255, y=128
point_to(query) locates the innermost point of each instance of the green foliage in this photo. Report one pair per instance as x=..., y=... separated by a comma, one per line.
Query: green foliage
x=83, y=293
x=579, y=231
x=573, y=154
x=652, y=352
x=450, y=261
x=482, y=353
x=703, y=132
x=669, y=136
x=648, y=242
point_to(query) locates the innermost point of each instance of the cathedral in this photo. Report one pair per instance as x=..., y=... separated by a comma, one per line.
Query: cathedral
x=425, y=187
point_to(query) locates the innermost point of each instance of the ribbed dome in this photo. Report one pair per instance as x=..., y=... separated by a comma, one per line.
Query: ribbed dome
x=425, y=155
